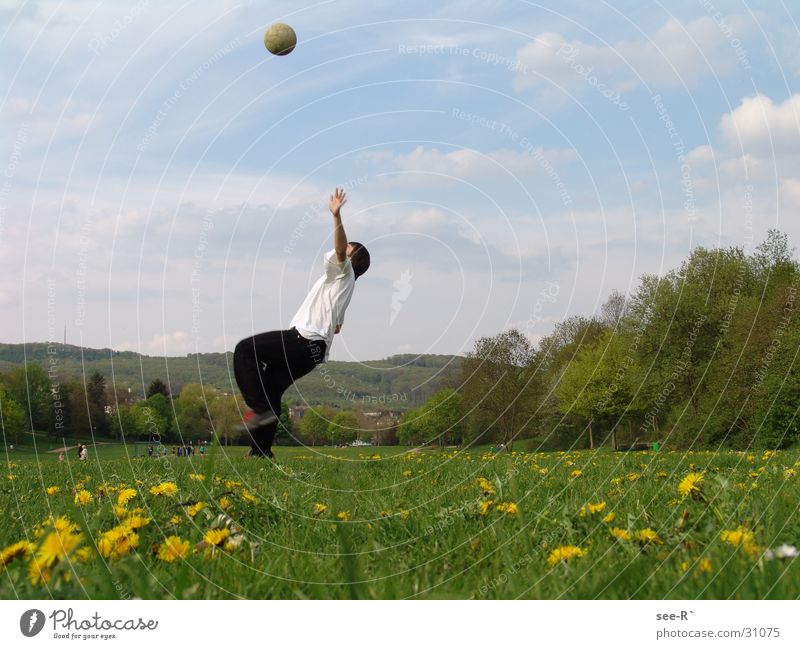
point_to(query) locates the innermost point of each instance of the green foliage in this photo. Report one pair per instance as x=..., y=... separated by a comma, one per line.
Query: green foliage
x=30, y=388
x=314, y=425
x=344, y=427
x=157, y=386
x=12, y=417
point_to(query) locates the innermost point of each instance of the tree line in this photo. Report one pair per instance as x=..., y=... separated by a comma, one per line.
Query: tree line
x=705, y=356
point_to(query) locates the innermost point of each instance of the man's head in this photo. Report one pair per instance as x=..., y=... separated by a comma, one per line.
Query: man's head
x=359, y=257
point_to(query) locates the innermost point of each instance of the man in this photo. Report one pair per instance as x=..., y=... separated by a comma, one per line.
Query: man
x=268, y=363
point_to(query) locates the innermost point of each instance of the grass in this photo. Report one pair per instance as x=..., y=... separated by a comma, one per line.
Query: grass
x=390, y=523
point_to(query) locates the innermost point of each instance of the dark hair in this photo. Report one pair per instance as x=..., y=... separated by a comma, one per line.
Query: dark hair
x=359, y=259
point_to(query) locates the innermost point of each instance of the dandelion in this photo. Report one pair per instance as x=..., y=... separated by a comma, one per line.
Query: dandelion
x=319, y=508
x=789, y=473
x=486, y=487
x=592, y=508
x=164, y=489
x=224, y=502
x=117, y=542
x=194, y=510
x=692, y=485
x=52, y=491
x=173, y=548
x=247, y=496
x=216, y=537
x=125, y=496
x=198, y=477
x=343, y=516
x=648, y=536
x=740, y=537
x=565, y=553
x=407, y=473
x=632, y=477
x=577, y=473
x=705, y=565
x=20, y=549
x=55, y=548
x=175, y=519
x=621, y=534
x=508, y=508
x=609, y=518
x=485, y=506
x=135, y=521
x=83, y=497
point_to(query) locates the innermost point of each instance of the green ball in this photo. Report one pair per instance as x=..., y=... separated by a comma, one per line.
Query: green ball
x=280, y=39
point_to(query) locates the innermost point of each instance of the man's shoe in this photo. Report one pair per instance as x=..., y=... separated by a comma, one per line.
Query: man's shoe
x=254, y=420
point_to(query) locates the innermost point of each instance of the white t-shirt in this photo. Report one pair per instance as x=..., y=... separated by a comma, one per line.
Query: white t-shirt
x=324, y=306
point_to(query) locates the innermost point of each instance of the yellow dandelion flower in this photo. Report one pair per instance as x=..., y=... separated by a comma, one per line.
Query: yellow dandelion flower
x=648, y=536
x=485, y=486
x=83, y=497
x=232, y=484
x=609, y=518
x=592, y=508
x=20, y=549
x=135, y=521
x=741, y=536
x=117, y=542
x=173, y=548
x=55, y=547
x=343, y=516
x=789, y=473
x=407, y=473
x=198, y=477
x=508, y=508
x=565, y=553
x=384, y=514
x=632, y=477
x=51, y=491
x=194, y=510
x=692, y=485
x=621, y=534
x=661, y=474
x=164, y=489
x=175, y=519
x=319, y=508
x=705, y=565
x=404, y=514
x=577, y=473
x=217, y=536
x=485, y=506
x=247, y=496
x=84, y=554
x=125, y=496
x=224, y=502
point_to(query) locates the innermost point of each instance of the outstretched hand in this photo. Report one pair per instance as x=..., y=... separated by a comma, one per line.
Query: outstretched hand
x=336, y=201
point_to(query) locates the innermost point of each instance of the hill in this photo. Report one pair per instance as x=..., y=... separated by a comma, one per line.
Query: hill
x=398, y=382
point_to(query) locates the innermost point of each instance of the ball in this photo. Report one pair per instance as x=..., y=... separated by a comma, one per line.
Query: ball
x=280, y=39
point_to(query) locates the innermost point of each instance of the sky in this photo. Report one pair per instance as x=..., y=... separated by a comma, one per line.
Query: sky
x=508, y=164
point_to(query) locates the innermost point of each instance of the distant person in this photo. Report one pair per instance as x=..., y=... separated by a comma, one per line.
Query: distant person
x=84, y=453
x=266, y=364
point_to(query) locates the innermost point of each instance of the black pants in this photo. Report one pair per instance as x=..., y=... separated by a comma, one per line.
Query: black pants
x=265, y=366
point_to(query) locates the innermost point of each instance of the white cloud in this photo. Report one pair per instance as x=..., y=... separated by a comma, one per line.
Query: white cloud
x=759, y=125
x=675, y=55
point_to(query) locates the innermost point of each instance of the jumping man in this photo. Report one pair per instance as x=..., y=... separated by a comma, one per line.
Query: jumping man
x=268, y=363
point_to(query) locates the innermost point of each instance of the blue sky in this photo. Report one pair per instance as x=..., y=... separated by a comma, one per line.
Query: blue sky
x=508, y=163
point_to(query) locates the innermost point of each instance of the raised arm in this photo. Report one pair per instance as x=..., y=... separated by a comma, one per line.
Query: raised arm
x=335, y=203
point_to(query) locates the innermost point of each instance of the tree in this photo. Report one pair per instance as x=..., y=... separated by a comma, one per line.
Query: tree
x=12, y=417
x=157, y=386
x=97, y=401
x=314, y=425
x=409, y=430
x=613, y=310
x=30, y=387
x=59, y=422
x=128, y=423
x=343, y=428
x=225, y=411
x=441, y=418
x=191, y=411
x=601, y=383
x=500, y=381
